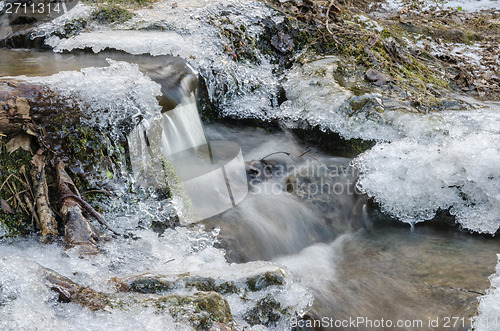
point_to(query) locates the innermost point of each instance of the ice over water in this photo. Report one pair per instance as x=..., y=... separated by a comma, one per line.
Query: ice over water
x=109, y=96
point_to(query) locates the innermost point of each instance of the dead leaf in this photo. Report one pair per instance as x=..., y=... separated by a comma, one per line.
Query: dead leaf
x=5, y=207
x=22, y=140
x=23, y=107
x=38, y=160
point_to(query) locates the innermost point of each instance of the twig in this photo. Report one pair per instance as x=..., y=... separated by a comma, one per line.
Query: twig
x=265, y=157
x=84, y=204
x=466, y=290
x=328, y=17
x=29, y=184
x=8, y=177
x=37, y=192
x=307, y=151
x=98, y=191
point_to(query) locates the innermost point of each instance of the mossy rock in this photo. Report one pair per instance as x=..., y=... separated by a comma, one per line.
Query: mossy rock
x=164, y=284
x=267, y=312
x=111, y=15
x=201, y=309
x=260, y=282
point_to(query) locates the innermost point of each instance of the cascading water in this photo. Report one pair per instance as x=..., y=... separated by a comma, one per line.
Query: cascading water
x=212, y=174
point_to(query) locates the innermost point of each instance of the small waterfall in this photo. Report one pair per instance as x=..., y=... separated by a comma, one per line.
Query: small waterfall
x=182, y=128
x=171, y=150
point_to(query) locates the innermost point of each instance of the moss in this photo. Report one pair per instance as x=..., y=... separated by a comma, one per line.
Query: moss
x=18, y=223
x=111, y=14
x=124, y=3
x=267, y=312
x=71, y=28
x=151, y=286
x=157, y=285
x=202, y=309
x=260, y=282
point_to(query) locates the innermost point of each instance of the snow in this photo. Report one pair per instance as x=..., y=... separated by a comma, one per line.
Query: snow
x=466, y=5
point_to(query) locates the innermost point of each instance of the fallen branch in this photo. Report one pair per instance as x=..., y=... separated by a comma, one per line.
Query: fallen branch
x=78, y=231
x=46, y=219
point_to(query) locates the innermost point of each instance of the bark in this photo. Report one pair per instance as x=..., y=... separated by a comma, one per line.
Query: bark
x=46, y=220
x=15, y=106
x=78, y=231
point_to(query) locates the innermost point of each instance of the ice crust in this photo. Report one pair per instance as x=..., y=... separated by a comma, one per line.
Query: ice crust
x=108, y=96
x=27, y=303
x=455, y=167
x=488, y=316
x=466, y=5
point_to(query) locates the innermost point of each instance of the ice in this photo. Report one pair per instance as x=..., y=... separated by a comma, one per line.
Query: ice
x=194, y=32
x=110, y=97
x=488, y=316
x=454, y=167
x=25, y=300
x=467, y=5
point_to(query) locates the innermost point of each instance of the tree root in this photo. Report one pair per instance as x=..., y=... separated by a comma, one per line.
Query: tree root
x=78, y=231
x=46, y=220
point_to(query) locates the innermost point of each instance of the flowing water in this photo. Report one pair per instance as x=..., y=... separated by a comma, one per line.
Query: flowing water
x=303, y=212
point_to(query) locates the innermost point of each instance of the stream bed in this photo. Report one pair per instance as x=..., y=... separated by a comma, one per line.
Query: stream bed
x=344, y=258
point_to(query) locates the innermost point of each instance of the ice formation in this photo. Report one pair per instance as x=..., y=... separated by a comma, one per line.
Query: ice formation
x=452, y=4
x=109, y=96
x=112, y=94
x=488, y=316
x=26, y=301
x=455, y=167
x=193, y=32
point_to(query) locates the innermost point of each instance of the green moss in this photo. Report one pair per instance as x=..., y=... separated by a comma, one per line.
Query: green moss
x=110, y=14
x=360, y=145
x=71, y=28
x=124, y=3
x=202, y=309
x=266, y=312
x=151, y=286
x=18, y=223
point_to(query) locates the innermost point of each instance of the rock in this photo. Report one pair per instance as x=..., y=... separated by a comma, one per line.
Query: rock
x=282, y=42
x=266, y=312
x=240, y=279
x=201, y=309
x=377, y=77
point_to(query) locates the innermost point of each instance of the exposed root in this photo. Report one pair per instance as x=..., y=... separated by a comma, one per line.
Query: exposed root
x=46, y=220
x=78, y=231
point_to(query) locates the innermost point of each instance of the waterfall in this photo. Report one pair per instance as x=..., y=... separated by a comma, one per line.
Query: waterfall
x=181, y=128
x=170, y=150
